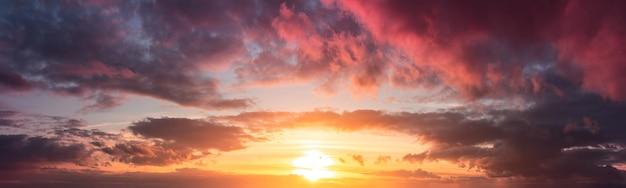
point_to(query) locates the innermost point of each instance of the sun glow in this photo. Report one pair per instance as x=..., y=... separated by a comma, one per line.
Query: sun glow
x=313, y=165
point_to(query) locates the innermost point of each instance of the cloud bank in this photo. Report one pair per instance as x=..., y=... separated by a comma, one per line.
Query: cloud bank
x=173, y=50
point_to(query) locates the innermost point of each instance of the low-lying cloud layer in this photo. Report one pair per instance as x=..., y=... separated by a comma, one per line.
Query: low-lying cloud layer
x=556, y=139
x=40, y=141
x=553, y=140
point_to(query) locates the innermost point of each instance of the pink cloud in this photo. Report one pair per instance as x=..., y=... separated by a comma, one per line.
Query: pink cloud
x=486, y=48
x=306, y=47
x=592, y=41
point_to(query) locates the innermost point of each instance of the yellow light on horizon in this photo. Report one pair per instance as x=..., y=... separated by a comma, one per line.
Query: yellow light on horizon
x=313, y=165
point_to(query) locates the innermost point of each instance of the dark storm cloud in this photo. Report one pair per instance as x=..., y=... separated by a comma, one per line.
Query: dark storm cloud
x=87, y=48
x=166, y=141
x=10, y=81
x=540, y=142
x=38, y=141
x=193, y=133
x=34, y=141
x=21, y=151
x=152, y=155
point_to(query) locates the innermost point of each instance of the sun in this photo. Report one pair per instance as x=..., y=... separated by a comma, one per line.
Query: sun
x=313, y=165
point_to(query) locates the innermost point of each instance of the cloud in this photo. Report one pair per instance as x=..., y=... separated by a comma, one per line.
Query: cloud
x=358, y=158
x=414, y=158
x=167, y=141
x=80, y=48
x=563, y=59
x=462, y=45
x=102, y=102
x=14, y=122
x=179, y=178
x=192, y=133
x=29, y=142
x=153, y=155
x=171, y=51
x=5, y=116
x=590, y=46
x=343, y=161
x=308, y=42
x=418, y=173
x=10, y=81
x=7, y=113
x=21, y=151
x=199, y=178
x=382, y=160
x=32, y=141
x=494, y=48
x=536, y=142
x=191, y=178
x=532, y=143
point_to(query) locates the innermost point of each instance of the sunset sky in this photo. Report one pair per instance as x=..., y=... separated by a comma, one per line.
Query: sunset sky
x=308, y=93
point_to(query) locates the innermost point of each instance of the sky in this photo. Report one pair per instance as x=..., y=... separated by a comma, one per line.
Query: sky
x=312, y=93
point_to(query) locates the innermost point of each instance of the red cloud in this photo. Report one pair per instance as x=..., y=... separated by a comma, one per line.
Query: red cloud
x=490, y=47
x=310, y=46
x=592, y=41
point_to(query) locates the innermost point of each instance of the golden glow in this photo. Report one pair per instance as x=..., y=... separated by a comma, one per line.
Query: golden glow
x=313, y=165
x=276, y=156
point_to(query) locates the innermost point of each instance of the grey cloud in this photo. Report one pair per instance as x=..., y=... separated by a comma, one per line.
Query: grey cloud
x=144, y=154
x=193, y=133
x=154, y=49
x=21, y=151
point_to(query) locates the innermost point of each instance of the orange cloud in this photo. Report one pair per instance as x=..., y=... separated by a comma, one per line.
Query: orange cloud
x=359, y=159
